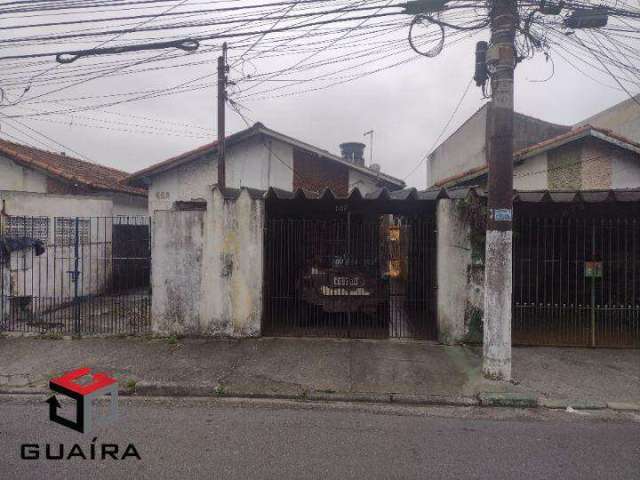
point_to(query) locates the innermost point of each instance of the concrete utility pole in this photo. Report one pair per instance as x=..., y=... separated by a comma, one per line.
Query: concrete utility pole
x=501, y=60
x=222, y=98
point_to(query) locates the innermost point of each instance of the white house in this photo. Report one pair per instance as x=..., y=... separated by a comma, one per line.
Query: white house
x=259, y=158
x=79, y=212
x=36, y=182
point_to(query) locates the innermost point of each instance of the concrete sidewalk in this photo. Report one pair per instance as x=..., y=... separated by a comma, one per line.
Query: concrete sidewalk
x=322, y=369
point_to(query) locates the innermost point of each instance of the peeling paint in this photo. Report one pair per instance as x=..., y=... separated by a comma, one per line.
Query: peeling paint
x=225, y=282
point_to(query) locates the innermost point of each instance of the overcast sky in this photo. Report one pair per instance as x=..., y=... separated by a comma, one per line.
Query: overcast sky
x=406, y=106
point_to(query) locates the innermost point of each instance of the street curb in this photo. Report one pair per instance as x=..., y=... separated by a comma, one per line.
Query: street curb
x=508, y=399
x=484, y=399
x=172, y=389
x=575, y=404
x=444, y=400
x=349, y=397
x=157, y=389
x=624, y=406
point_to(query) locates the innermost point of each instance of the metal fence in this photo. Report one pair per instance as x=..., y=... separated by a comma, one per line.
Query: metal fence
x=577, y=279
x=80, y=275
x=350, y=277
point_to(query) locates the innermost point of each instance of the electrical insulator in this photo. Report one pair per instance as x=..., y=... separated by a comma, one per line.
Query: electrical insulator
x=416, y=7
x=551, y=8
x=587, y=18
x=480, y=75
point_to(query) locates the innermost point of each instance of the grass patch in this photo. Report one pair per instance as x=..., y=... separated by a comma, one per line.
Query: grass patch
x=131, y=384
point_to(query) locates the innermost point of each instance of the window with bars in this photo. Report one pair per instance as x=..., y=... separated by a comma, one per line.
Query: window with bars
x=26, y=227
x=65, y=231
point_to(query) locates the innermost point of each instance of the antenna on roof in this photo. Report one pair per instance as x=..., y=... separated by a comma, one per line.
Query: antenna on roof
x=370, y=133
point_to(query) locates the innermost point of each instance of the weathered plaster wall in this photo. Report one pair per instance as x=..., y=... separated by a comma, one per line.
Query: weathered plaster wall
x=532, y=174
x=34, y=275
x=15, y=177
x=176, y=250
x=625, y=170
x=466, y=149
x=233, y=263
x=186, y=182
x=248, y=164
x=622, y=118
x=460, y=270
x=462, y=151
x=129, y=205
x=251, y=164
x=454, y=257
x=207, y=268
x=51, y=205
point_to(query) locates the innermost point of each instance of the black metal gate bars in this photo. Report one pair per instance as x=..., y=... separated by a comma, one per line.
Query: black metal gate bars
x=577, y=277
x=80, y=275
x=350, y=275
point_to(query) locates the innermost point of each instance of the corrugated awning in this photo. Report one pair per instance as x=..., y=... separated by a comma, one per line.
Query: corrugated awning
x=435, y=194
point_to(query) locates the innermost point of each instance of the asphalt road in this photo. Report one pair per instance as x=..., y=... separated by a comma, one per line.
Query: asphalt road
x=184, y=439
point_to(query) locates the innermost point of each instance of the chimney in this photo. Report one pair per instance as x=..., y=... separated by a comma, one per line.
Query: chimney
x=353, y=152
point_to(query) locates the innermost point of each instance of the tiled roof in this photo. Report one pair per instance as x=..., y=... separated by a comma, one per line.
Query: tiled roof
x=571, y=135
x=69, y=169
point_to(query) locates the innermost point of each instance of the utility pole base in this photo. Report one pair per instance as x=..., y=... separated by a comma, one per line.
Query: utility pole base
x=496, y=363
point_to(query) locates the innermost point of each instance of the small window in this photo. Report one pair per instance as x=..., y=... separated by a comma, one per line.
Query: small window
x=26, y=227
x=65, y=231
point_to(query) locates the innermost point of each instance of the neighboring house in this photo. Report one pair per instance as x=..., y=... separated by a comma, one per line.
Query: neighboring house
x=465, y=151
x=259, y=157
x=585, y=158
x=622, y=119
x=87, y=224
x=41, y=183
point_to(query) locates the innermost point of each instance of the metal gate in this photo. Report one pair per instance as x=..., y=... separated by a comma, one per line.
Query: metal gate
x=577, y=277
x=75, y=275
x=357, y=276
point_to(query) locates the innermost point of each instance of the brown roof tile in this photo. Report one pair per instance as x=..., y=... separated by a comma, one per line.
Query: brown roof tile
x=69, y=169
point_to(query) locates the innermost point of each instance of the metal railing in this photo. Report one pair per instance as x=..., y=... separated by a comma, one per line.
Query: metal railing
x=75, y=275
x=349, y=277
x=577, y=280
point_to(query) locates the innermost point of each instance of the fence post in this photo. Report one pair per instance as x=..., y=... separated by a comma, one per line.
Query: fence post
x=5, y=284
x=75, y=275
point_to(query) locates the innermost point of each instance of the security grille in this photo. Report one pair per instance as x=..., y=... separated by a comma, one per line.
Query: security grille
x=65, y=231
x=577, y=277
x=357, y=276
x=16, y=227
x=93, y=276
